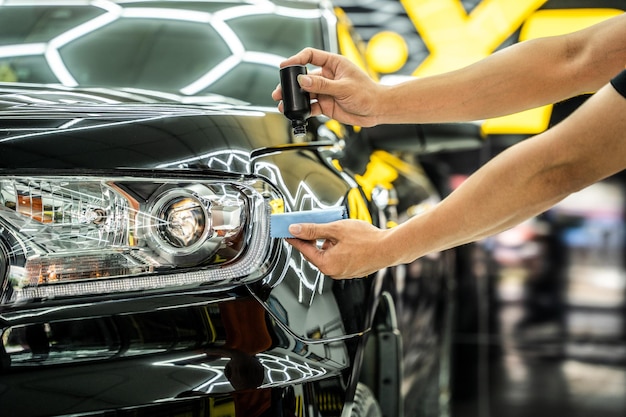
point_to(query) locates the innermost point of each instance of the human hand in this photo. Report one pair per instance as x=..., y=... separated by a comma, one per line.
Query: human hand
x=350, y=248
x=339, y=89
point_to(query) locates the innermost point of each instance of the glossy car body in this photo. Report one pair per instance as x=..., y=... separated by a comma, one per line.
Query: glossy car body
x=138, y=274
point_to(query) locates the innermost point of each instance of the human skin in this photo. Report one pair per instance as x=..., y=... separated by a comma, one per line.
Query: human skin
x=525, y=75
x=519, y=183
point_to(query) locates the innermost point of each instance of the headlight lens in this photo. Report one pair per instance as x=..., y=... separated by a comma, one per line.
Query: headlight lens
x=182, y=222
x=64, y=236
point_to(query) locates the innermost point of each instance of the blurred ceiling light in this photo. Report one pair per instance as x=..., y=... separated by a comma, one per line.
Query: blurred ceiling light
x=22, y=50
x=113, y=12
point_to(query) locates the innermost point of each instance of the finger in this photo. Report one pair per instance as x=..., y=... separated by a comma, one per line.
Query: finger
x=316, y=109
x=308, y=249
x=277, y=94
x=307, y=56
x=327, y=244
x=311, y=231
x=318, y=85
x=314, y=255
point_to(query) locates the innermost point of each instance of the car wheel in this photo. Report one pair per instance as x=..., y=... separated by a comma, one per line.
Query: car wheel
x=365, y=404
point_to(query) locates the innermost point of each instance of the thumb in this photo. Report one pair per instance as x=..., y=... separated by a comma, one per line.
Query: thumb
x=318, y=84
x=306, y=231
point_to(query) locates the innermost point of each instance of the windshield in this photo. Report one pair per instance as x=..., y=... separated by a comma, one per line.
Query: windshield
x=184, y=48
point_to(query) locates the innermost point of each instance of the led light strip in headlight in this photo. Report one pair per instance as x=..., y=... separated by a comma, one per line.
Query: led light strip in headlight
x=65, y=236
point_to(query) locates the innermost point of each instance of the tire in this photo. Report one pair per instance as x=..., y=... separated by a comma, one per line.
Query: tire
x=365, y=405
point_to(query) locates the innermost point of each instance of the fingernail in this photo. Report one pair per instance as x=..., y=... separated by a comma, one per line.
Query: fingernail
x=304, y=80
x=295, y=229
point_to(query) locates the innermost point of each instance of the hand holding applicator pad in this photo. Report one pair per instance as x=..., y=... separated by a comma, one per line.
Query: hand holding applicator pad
x=279, y=222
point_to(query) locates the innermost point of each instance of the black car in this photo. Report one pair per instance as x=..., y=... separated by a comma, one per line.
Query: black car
x=141, y=160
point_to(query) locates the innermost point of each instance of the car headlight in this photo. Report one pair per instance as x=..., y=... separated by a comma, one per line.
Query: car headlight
x=62, y=236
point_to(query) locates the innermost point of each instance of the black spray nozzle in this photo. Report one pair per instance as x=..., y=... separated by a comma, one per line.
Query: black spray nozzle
x=296, y=101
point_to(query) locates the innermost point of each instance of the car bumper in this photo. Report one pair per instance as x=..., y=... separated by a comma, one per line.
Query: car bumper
x=218, y=355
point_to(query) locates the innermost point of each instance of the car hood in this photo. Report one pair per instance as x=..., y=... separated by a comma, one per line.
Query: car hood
x=61, y=128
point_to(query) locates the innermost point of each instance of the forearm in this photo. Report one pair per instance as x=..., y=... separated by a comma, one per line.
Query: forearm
x=500, y=195
x=522, y=181
x=493, y=87
x=520, y=77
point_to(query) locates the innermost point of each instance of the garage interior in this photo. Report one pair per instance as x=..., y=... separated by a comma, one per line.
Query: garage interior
x=545, y=347
x=554, y=347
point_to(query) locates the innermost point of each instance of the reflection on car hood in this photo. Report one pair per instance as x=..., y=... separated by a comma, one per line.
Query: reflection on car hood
x=16, y=93
x=105, y=129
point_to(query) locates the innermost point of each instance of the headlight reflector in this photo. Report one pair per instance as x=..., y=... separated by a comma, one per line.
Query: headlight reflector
x=182, y=222
x=189, y=224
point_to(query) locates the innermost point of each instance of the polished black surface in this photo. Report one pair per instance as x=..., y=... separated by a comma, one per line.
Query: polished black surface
x=89, y=135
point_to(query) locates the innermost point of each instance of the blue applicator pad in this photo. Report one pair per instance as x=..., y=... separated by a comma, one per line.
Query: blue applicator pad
x=279, y=222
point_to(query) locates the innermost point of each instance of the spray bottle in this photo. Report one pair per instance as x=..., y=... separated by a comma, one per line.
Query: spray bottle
x=296, y=101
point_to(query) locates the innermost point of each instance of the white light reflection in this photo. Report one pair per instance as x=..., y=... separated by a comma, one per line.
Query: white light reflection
x=69, y=96
x=210, y=77
x=304, y=196
x=271, y=60
x=214, y=159
x=43, y=2
x=217, y=384
x=74, y=129
x=107, y=5
x=285, y=369
x=27, y=99
x=52, y=52
x=262, y=58
x=30, y=314
x=267, y=7
x=114, y=12
x=279, y=369
x=303, y=281
x=59, y=69
x=298, y=13
x=169, y=14
x=8, y=51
